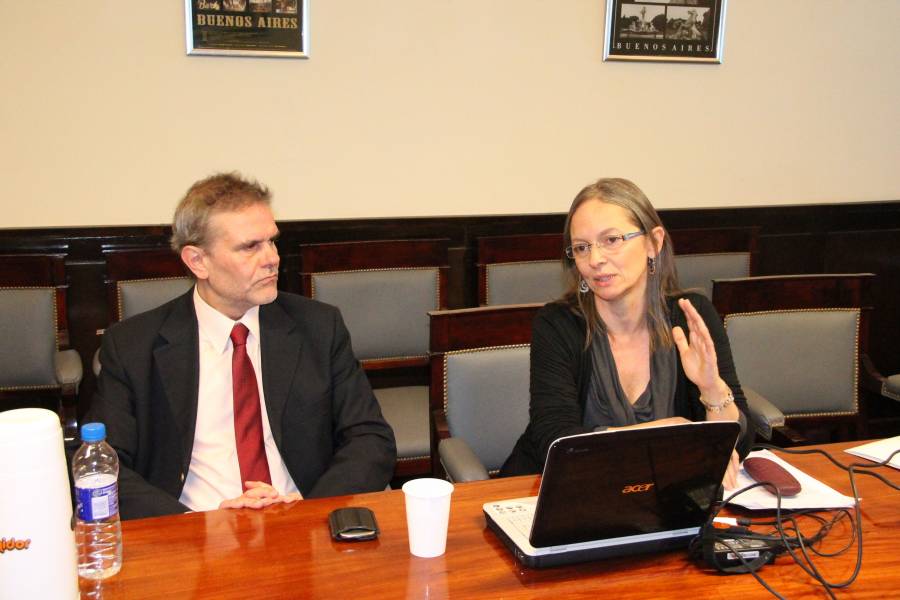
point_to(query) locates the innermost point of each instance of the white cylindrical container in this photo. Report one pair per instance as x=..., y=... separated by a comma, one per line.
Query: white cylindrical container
x=427, y=515
x=38, y=557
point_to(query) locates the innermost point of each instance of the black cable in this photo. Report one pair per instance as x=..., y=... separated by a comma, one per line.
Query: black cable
x=807, y=564
x=852, y=469
x=786, y=541
x=813, y=571
x=790, y=538
x=826, y=529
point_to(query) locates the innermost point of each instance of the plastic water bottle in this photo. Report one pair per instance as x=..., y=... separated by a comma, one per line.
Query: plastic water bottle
x=98, y=533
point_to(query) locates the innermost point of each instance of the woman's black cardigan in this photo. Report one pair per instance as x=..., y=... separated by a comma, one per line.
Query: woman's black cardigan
x=561, y=369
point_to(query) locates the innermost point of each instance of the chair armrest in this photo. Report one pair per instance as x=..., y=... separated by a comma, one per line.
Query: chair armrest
x=891, y=387
x=460, y=462
x=440, y=428
x=95, y=363
x=870, y=379
x=68, y=368
x=764, y=416
x=875, y=382
x=439, y=431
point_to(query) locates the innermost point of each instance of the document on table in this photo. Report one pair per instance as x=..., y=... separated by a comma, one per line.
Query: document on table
x=879, y=451
x=814, y=494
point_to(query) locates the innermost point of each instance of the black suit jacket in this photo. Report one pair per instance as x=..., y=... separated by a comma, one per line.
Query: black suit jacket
x=324, y=418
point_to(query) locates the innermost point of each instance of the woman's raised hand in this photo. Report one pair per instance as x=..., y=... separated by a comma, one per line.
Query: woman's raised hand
x=698, y=355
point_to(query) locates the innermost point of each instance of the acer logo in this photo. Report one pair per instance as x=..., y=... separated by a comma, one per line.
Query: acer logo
x=638, y=487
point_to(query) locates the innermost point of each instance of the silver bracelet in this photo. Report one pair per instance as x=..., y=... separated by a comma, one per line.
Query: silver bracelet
x=717, y=408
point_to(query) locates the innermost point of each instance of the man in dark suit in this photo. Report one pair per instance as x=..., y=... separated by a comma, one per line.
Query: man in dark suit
x=175, y=380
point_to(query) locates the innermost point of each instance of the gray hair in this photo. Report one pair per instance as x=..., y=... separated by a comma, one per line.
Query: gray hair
x=222, y=192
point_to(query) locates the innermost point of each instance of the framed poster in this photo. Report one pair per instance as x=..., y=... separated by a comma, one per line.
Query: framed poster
x=247, y=27
x=666, y=30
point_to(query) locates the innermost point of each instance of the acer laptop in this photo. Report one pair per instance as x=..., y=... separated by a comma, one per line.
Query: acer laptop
x=615, y=493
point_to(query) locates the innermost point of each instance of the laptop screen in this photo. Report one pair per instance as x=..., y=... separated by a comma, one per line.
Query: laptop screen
x=628, y=482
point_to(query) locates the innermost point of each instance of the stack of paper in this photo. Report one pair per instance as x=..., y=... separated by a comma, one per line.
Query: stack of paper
x=814, y=493
x=879, y=451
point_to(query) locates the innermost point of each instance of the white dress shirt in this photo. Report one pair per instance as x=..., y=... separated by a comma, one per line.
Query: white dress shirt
x=214, y=473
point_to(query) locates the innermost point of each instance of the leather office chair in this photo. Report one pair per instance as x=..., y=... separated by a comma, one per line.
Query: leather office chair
x=517, y=269
x=385, y=290
x=140, y=279
x=34, y=357
x=702, y=255
x=480, y=365
x=799, y=341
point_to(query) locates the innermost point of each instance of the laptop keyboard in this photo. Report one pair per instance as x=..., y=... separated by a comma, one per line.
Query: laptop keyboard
x=520, y=516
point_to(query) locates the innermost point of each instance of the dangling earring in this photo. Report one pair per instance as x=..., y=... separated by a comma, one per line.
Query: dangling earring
x=651, y=264
x=583, y=287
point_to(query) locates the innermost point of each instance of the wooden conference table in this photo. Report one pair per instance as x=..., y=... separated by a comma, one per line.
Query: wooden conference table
x=286, y=552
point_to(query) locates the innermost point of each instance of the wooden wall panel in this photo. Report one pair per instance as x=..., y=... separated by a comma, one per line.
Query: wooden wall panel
x=875, y=252
x=793, y=239
x=790, y=253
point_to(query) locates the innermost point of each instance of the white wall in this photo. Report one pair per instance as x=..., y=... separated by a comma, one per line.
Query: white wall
x=441, y=107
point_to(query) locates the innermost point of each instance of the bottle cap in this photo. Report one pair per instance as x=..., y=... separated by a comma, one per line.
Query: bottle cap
x=93, y=432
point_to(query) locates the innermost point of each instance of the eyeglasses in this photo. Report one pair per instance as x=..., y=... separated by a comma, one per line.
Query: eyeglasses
x=608, y=243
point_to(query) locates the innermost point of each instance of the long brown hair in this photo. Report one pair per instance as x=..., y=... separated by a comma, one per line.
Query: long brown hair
x=662, y=283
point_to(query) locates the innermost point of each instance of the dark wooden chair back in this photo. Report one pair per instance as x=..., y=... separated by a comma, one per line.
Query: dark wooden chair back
x=156, y=273
x=38, y=365
x=385, y=290
x=367, y=274
x=785, y=329
x=702, y=255
x=481, y=330
x=39, y=270
x=515, y=269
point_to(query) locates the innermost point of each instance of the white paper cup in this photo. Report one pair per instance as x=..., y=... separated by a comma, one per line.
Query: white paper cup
x=427, y=515
x=39, y=559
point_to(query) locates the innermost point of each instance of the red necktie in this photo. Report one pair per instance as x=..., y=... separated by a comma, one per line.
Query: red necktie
x=248, y=431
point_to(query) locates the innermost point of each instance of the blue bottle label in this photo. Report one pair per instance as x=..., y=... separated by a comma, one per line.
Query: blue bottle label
x=97, y=497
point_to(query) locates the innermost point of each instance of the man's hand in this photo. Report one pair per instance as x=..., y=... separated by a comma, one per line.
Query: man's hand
x=259, y=495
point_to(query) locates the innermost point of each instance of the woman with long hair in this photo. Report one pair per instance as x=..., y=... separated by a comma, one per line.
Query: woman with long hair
x=625, y=347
